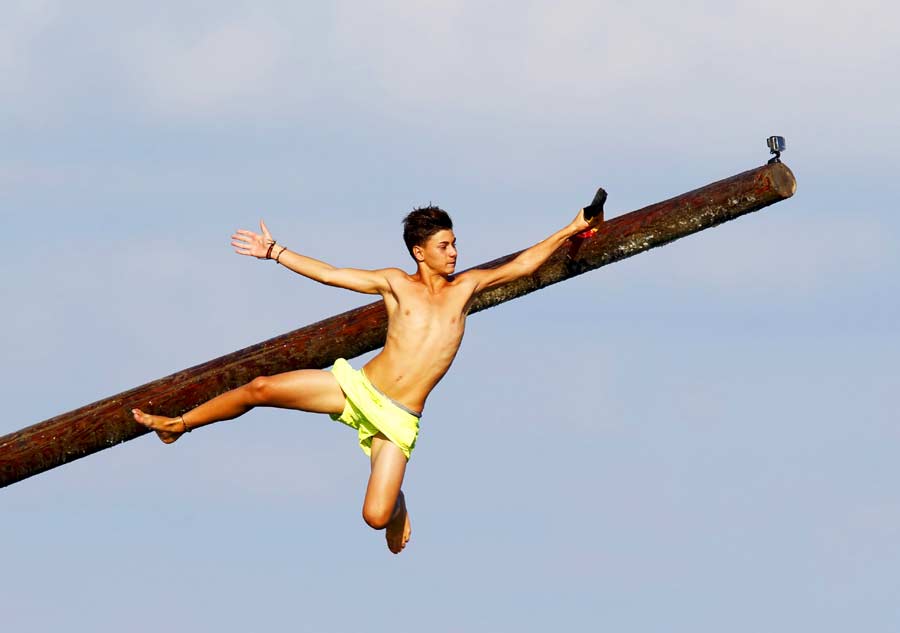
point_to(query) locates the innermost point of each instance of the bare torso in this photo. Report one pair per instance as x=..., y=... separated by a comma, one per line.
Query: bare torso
x=425, y=329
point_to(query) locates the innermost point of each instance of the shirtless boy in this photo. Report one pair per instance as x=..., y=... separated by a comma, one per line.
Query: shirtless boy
x=426, y=319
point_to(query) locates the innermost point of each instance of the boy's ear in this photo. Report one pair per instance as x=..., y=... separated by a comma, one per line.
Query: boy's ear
x=418, y=253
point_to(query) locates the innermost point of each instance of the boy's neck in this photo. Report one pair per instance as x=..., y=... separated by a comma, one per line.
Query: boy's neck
x=431, y=279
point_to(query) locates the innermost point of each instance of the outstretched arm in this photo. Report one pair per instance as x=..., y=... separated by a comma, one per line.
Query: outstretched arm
x=262, y=246
x=528, y=260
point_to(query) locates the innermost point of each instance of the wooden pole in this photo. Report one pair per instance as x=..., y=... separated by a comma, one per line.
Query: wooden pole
x=108, y=422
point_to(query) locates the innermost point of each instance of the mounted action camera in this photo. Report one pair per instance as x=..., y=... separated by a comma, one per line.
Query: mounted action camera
x=776, y=146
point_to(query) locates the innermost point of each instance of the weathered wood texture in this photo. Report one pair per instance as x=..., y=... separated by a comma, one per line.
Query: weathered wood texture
x=108, y=422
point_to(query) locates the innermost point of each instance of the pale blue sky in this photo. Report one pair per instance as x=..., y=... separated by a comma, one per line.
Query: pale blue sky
x=701, y=438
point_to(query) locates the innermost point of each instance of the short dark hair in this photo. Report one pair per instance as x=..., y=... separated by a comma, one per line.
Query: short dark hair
x=422, y=223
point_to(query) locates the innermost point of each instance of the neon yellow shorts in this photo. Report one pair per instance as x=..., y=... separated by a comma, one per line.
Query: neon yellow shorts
x=371, y=412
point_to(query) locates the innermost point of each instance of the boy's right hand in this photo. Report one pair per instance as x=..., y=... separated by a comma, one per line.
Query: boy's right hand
x=594, y=211
x=253, y=244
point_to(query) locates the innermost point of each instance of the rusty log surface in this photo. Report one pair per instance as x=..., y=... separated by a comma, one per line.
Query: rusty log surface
x=105, y=423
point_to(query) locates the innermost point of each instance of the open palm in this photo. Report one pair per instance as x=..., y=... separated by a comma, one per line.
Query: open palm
x=253, y=244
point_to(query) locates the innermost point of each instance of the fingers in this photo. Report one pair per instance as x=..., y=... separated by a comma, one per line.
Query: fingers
x=243, y=249
x=243, y=242
x=246, y=237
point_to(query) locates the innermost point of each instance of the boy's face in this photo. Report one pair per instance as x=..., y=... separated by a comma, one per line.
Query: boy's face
x=438, y=252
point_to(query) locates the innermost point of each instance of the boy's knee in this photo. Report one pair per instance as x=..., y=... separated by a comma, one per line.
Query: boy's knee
x=376, y=516
x=258, y=389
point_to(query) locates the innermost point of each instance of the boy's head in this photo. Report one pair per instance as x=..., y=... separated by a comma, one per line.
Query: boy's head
x=422, y=223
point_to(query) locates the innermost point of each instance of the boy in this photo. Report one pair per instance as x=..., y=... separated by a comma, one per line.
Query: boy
x=426, y=314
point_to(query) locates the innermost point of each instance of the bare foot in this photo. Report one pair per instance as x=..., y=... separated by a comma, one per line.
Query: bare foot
x=398, y=530
x=168, y=429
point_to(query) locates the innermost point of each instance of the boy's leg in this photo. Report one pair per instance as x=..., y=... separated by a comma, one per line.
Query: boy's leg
x=385, y=505
x=313, y=390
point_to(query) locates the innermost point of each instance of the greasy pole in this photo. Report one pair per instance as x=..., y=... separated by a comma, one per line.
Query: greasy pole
x=108, y=422
x=658, y=224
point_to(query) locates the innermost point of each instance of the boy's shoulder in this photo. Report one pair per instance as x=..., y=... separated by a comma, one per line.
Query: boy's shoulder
x=392, y=274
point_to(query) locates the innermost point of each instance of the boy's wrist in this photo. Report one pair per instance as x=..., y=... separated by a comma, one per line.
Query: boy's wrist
x=574, y=228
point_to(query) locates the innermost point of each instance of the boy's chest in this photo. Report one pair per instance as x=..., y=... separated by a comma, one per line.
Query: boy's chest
x=417, y=304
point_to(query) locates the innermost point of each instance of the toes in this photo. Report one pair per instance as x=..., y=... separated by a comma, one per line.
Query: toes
x=397, y=545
